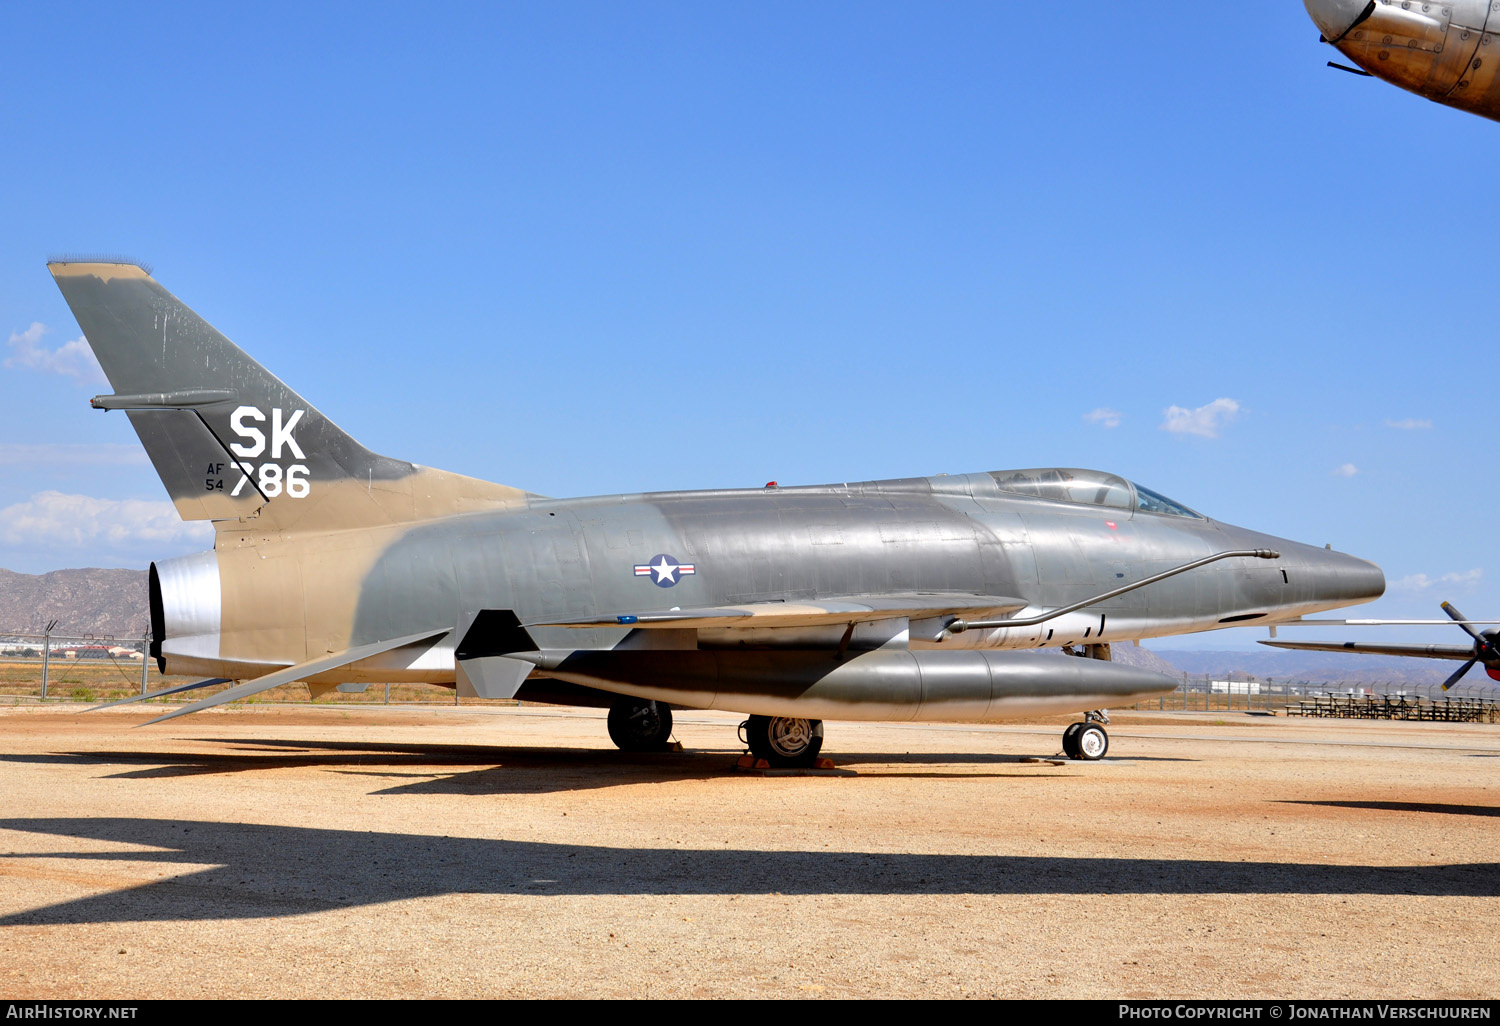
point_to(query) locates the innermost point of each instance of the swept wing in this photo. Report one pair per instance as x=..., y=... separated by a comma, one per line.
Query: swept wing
x=820, y=613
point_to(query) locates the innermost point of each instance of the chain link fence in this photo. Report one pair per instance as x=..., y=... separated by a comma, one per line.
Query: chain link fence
x=1473, y=703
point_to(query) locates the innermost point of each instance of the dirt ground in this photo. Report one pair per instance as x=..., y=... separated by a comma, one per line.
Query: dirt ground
x=283, y=851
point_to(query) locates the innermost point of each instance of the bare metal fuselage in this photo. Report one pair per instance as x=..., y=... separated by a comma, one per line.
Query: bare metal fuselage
x=1447, y=51
x=305, y=595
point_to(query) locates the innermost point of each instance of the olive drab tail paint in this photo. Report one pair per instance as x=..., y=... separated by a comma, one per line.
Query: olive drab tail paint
x=231, y=442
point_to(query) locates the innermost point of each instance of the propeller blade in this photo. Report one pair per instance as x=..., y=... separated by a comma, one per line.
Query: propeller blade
x=1449, y=608
x=1458, y=673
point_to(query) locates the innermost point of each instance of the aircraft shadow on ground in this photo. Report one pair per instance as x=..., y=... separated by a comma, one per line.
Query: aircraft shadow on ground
x=1438, y=807
x=258, y=871
x=500, y=769
x=484, y=769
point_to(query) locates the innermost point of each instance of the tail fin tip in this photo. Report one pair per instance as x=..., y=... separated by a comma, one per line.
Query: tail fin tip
x=102, y=265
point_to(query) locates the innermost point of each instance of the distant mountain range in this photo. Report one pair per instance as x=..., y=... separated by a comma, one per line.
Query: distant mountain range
x=90, y=601
x=114, y=602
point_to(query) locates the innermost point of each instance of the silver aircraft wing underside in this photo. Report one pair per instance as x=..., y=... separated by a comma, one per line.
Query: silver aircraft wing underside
x=816, y=613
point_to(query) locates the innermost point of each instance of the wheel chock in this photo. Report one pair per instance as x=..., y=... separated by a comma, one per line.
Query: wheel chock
x=751, y=763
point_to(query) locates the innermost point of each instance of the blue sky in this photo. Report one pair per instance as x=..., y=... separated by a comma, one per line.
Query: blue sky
x=592, y=248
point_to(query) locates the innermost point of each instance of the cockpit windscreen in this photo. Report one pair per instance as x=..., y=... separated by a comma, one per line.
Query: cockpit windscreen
x=1089, y=487
x=1155, y=502
x=1067, y=484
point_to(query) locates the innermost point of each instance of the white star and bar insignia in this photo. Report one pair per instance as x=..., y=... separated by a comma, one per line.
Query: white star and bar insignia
x=664, y=570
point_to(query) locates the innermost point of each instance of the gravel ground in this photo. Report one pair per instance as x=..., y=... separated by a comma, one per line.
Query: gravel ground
x=341, y=852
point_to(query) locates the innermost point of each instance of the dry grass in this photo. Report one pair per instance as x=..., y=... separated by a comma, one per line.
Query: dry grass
x=104, y=680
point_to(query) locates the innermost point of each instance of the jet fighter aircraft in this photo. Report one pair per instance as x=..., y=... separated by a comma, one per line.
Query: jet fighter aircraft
x=883, y=600
x=1445, y=50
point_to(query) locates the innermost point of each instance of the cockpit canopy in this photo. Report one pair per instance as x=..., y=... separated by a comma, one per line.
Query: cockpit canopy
x=1089, y=487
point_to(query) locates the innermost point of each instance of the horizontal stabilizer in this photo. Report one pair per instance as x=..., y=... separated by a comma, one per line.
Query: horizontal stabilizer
x=317, y=691
x=175, y=690
x=1372, y=648
x=819, y=613
x=301, y=670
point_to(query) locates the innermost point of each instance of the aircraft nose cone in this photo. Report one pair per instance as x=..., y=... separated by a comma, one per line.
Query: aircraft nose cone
x=1358, y=580
x=1309, y=579
x=1335, y=578
x=1335, y=17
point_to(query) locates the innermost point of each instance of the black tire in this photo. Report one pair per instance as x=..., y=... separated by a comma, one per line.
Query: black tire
x=1092, y=742
x=1070, y=740
x=785, y=741
x=636, y=725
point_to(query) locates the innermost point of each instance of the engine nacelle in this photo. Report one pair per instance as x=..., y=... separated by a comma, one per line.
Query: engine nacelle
x=1445, y=50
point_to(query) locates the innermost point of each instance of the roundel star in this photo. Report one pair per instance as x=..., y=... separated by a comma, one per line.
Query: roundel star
x=664, y=570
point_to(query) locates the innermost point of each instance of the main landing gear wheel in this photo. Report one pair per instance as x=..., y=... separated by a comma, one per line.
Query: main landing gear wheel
x=1070, y=740
x=640, y=726
x=1086, y=741
x=784, y=741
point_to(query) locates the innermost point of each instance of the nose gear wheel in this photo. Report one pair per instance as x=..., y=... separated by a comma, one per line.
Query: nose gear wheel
x=1086, y=741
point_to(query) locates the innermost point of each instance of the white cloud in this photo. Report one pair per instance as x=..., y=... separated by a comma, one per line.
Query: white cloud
x=1347, y=470
x=71, y=359
x=1204, y=422
x=59, y=520
x=1416, y=584
x=1409, y=424
x=1104, y=416
x=15, y=454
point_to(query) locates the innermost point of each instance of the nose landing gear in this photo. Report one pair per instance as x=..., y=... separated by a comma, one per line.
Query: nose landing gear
x=1087, y=740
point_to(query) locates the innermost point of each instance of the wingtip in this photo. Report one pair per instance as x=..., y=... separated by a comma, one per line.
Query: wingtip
x=169, y=716
x=106, y=705
x=118, y=701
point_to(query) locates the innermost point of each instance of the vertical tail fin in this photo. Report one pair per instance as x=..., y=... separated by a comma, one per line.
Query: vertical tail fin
x=229, y=440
